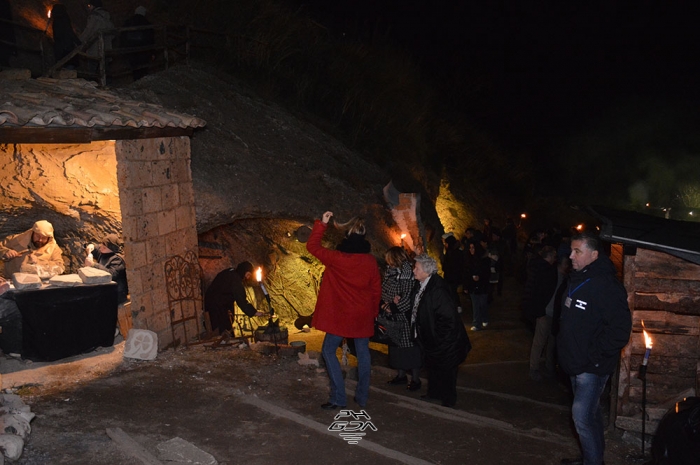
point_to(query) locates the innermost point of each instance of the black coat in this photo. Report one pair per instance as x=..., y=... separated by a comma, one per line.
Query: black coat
x=114, y=264
x=540, y=285
x=441, y=333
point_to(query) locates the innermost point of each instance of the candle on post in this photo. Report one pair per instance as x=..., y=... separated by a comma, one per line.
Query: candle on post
x=258, y=277
x=403, y=236
x=647, y=343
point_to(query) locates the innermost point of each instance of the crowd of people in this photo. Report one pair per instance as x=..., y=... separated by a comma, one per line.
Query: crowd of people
x=571, y=297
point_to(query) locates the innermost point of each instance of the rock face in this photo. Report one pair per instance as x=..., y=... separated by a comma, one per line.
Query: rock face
x=256, y=160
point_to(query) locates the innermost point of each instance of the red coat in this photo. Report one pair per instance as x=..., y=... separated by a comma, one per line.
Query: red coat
x=348, y=301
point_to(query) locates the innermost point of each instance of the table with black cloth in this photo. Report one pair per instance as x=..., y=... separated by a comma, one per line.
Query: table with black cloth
x=58, y=322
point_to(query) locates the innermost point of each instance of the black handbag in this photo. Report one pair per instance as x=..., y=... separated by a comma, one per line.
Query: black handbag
x=381, y=334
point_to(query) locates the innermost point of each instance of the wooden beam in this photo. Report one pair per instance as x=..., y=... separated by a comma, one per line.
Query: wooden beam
x=53, y=135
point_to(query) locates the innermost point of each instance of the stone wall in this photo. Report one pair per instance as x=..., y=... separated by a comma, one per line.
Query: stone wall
x=158, y=223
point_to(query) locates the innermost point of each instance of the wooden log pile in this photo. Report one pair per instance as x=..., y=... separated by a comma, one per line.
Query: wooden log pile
x=664, y=294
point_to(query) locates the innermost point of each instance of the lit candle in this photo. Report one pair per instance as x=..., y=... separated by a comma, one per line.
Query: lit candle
x=258, y=277
x=647, y=342
x=402, y=238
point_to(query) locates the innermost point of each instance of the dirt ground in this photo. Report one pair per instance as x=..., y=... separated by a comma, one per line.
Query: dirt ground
x=241, y=405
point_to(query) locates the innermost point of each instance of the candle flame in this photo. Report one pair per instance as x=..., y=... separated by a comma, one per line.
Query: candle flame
x=579, y=227
x=258, y=274
x=647, y=339
x=403, y=236
x=49, y=14
x=523, y=215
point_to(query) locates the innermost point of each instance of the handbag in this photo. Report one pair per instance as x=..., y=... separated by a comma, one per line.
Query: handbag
x=381, y=333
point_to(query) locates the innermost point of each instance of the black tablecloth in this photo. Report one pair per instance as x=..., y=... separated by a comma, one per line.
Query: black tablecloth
x=58, y=322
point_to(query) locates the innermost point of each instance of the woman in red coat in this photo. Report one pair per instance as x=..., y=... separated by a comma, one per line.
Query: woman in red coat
x=347, y=304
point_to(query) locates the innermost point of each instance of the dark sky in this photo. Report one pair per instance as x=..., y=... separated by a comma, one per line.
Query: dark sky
x=554, y=73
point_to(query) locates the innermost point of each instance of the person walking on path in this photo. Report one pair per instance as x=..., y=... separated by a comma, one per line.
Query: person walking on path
x=595, y=325
x=347, y=304
x=540, y=285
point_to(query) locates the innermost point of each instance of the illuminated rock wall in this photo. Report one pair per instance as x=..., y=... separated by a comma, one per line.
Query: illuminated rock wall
x=74, y=186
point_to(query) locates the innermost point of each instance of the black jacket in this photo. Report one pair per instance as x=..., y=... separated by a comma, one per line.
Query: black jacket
x=114, y=264
x=540, y=284
x=441, y=333
x=597, y=324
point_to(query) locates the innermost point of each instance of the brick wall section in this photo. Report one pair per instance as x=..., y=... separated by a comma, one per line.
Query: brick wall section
x=158, y=222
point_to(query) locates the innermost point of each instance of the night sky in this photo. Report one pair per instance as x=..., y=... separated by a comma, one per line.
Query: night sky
x=598, y=93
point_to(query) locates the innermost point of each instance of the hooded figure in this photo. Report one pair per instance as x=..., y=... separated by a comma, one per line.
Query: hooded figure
x=32, y=251
x=108, y=258
x=98, y=20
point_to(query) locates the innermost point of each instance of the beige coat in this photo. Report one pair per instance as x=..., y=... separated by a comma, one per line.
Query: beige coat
x=50, y=255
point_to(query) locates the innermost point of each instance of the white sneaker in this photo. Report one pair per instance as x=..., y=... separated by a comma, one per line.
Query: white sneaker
x=459, y=309
x=475, y=328
x=484, y=324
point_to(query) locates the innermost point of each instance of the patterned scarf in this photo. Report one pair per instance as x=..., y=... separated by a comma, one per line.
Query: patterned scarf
x=416, y=302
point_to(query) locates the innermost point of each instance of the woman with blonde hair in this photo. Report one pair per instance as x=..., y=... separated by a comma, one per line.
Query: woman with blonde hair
x=404, y=354
x=347, y=304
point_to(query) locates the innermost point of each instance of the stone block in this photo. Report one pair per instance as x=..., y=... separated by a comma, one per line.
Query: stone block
x=166, y=222
x=24, y=281
x=151, y=199
x=141, y=344
x=155, y=249
x=169, y=195
x=185, y=215
x=180, y=451
x=90, y=275
x=11, y=445
x=135, y=254
x=185, y=193
x=162, y=172
x=69, y=280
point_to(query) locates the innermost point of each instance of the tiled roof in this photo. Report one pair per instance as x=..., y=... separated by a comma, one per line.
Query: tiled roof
x=77, y=103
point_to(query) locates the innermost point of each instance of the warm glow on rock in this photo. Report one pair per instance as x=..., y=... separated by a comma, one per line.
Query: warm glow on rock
x=453, y=214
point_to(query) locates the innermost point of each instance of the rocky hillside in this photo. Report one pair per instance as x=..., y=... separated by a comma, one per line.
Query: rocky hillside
x=254, y=159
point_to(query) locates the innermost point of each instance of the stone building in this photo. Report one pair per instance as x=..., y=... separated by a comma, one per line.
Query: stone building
x=92, y=162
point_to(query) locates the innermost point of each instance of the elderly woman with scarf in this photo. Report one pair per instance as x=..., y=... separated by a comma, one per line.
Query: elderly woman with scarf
x=404, y=354
x=347, y=304
x=439, y=330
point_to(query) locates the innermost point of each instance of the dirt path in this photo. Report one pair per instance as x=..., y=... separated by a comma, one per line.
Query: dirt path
x=241, y=406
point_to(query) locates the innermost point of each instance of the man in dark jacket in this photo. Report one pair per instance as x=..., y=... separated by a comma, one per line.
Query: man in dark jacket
x=226, y=289
x=540, y=284
x=595, y=325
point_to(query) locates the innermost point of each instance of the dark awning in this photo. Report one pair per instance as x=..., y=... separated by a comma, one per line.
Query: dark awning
x=678, y=238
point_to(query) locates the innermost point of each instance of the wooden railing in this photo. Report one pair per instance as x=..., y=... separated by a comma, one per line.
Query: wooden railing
x=172, y=44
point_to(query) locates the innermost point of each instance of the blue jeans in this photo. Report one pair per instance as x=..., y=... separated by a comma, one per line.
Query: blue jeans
x=480, y=305
x=588, y=418
x=335, y=374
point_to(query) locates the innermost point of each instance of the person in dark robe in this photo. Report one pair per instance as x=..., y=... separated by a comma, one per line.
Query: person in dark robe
x=138, y=38
x=108, y=258
x=227, y=289
x=7, y=34
x=64, y=38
